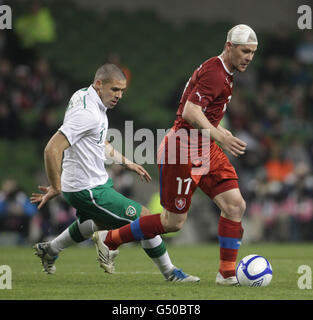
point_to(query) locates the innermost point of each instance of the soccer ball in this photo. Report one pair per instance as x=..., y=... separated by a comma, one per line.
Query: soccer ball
x=254, y=271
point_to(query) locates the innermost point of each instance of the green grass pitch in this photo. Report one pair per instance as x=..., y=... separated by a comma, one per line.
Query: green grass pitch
x=79, y=276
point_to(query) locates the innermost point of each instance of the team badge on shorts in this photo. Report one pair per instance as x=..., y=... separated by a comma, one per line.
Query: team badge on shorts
x=180, y=203
x=130, y=211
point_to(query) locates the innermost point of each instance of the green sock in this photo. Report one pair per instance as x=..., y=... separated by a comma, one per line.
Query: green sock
x=75, y=233
x=155, y=248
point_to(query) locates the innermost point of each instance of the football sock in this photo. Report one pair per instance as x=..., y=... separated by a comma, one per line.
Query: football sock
x=82, y=231
x=75, y=233
x=229, y=235
x=155, y=248
x=146, y=227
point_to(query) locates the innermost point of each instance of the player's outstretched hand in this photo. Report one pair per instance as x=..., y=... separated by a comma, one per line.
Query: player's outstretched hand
x=234, y=145
x=43, y=198
x=144, y=175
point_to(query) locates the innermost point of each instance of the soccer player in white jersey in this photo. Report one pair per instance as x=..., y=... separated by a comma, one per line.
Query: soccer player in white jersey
x=74, y=162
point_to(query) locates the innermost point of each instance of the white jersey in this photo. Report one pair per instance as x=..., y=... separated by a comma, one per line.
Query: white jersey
x=85, y=126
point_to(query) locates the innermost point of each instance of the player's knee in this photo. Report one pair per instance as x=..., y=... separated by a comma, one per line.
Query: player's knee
x=144, y=212
x=173, y=227
x=172, y=222
x=235, y=209
x=241, y=206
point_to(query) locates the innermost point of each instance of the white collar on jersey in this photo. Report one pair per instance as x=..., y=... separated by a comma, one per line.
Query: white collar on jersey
x=95, y=97
x=220, y=57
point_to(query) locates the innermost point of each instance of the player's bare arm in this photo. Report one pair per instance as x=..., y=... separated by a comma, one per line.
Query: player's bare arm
x=53, y=164
x=224, y=130
x=194, y=116
x=119, y=158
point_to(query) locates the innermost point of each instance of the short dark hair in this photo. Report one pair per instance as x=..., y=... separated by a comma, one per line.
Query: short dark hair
x=108, y=72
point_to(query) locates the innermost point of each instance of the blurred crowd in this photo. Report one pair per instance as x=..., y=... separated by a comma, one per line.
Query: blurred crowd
x=20, y=221
x=270, y=110
x=29, y=91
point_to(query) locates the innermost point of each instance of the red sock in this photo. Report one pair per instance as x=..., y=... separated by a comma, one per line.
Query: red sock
x=229, y=234
x=143, y=228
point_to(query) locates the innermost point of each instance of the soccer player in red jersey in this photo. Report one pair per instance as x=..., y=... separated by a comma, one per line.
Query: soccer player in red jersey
x=198, y=160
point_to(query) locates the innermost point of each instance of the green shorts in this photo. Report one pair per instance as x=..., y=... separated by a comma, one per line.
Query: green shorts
x=104, y=205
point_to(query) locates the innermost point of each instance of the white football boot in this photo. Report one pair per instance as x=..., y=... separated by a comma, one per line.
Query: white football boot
x=105, y=256
x=47, y=260
x=230, y=281
x=177, y=275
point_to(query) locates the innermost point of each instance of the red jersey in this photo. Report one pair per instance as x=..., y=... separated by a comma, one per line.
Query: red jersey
x=186, y=163
x=209, y=87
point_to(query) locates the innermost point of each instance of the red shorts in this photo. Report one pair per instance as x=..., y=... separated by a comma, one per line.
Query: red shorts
x=179, y=179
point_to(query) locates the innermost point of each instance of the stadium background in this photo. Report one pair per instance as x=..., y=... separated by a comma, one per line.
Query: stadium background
x=55, y=47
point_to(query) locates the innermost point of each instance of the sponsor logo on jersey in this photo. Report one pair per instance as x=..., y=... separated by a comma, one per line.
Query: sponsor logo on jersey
x=130, y=211
x=180, y=203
